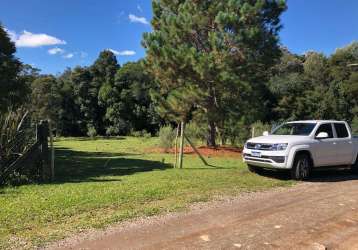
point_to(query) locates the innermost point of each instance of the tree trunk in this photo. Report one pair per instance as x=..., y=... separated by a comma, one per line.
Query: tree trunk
x=223, y=140
x=211, y=140
x=211, y=113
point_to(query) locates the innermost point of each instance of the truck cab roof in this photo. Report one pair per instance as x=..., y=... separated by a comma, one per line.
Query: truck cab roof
x=316, y=121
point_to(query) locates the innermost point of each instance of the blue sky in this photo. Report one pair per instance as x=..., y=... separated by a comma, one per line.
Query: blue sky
x=53, y=35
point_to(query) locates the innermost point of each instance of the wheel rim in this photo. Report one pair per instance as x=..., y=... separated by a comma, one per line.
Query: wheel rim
x=303, y=168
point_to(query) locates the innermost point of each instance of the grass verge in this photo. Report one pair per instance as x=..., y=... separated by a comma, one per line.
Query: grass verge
x=104, y=181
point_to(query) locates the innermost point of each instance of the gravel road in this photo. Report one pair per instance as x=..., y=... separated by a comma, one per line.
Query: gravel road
x=320, y=214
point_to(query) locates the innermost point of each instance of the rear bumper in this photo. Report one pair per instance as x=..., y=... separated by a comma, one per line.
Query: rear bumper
x=268, y=159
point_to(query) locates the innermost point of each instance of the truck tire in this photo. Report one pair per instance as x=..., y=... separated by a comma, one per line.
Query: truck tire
x=254, y=169
x=301, y=168
x=354, y=167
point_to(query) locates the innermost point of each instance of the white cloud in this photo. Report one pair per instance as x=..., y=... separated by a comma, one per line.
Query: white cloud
x=68, y=56
x=139, y=8
x=12, y=35
x=123, y=53
x=137, y=19
x=28, y=39
x=127, y=53
x=55, y=51
x=114, y=51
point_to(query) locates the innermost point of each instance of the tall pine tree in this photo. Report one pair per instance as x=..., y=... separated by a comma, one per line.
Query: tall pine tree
x=221, y=49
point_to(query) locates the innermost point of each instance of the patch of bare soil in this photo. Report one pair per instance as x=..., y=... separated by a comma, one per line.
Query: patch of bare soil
x=223, y=151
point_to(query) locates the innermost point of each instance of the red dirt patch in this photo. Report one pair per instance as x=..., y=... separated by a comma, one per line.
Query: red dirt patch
x=205, y=151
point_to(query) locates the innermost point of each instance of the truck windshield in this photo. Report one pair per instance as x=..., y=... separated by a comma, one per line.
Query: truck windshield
x=294, y=129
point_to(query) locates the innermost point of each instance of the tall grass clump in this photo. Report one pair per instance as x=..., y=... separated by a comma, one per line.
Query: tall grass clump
x=166, y=137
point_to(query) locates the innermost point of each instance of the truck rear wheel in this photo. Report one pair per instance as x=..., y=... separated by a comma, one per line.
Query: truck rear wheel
x=354, y=167
x=301, y=168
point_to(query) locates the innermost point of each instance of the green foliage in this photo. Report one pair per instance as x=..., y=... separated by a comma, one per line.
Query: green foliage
x=166, y=137
x=17, y=134
x=196, y=132
x=236, y=132
x=10, y=125
x=129, y=106
x=143, y=134
x=315, y=87
x=46, y=99
x=91, y=131
x=12, y=90
x=218, y=80
x=260, y=128
x=103, y=99
x=316, y=68
x=70, y=118
x=216, y=50
x=355, y=126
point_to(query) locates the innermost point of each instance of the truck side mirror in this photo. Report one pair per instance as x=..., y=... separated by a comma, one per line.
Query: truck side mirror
x=265, y=133
x=322, y=135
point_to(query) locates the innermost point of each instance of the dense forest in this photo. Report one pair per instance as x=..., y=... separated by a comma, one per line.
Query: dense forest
x=221, y=81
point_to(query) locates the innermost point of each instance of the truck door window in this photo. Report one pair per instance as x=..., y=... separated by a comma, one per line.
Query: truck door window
x=325, y=128
x=341, y=130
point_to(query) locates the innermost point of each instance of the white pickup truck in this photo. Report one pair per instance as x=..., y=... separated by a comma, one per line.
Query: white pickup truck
x=300, y=146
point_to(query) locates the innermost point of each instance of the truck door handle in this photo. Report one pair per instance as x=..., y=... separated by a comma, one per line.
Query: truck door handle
x=334, y=143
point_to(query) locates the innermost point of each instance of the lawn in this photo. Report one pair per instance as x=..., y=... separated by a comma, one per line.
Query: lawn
x=103, y=181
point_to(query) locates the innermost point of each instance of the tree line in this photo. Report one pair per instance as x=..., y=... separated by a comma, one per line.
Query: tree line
x=218, y=64
x=102, y=99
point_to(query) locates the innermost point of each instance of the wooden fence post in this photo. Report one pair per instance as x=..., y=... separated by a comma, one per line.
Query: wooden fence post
x=176, y=146
x=52, y=154
x=181, y=152
x=42, y=137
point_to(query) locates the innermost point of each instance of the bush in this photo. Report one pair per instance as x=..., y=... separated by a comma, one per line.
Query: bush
x=260, y=128
x=237, y=132
x=142, y=133
x=166, y=137
x=355, y=126
x=112, y=131
x=91, y=131
x=196, y=132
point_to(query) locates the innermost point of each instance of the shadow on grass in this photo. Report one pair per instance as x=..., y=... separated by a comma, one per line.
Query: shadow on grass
x=77, y=166
x=318, y=175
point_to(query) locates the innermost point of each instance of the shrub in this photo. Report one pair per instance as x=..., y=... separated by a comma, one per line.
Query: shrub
x=142, y=133
x=146, y=134
x=355, y=126
x=237, y=132
x=196, y=132
x=91, y=131
x=260, y=128
x=112, y=130
x=17, y=135
x=166, y=137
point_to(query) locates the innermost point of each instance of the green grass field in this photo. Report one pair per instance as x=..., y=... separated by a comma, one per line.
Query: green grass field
x=103, y=181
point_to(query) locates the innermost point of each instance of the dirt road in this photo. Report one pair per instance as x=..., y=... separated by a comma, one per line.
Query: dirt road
x=321, y=214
